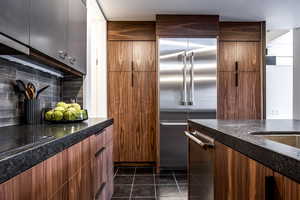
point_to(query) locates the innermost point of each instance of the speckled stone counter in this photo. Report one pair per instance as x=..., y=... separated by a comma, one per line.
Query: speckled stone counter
x=237, y=135
x=24, y=146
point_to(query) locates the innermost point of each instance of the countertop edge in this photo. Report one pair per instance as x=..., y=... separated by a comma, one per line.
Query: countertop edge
x=285, y=165
x=22, y=161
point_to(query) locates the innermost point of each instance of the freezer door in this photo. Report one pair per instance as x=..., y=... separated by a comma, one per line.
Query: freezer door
x=202, y=70
x=172, y=72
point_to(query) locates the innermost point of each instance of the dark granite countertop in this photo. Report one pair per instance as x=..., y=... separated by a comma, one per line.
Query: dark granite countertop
x=23, y=146
x=236, y=134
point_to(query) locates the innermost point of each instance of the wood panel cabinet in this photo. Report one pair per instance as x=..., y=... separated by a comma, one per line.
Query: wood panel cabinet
x=119, y=56
x=240, y=63
x=239, y=177
x=144, y=116
x=132, y=94
x=239, y=56
x=227, y=96
x=131, y=56
x=75, y=173
x=285, y=188
x=249, y=95
x=144, y=56
x=132, y=97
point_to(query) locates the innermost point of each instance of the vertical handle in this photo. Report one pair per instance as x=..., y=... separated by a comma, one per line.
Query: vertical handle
x=184, y=101
x=192, y=84
x=269, y=188
x=132, y=83
x=236, y=74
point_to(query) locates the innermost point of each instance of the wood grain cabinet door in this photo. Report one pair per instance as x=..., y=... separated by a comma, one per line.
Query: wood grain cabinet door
x=120, y=56
x=285, y=188
x=237, y=176
x=227, y=56
x=248, y=56
x=227, y=96
x=144, y=117
x=249, y=92
x=144, y=56
x=120, y=109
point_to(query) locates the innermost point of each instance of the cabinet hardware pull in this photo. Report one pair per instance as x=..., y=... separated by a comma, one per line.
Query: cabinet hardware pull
x=62, y=54
x=236, y=79
x=236, y=66
x=269, y=188
x=99, y=151
x=204, y=145
x=99, y=191
x=99, y=132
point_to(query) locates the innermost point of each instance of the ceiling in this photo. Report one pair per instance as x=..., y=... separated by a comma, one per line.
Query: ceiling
x=279, y=14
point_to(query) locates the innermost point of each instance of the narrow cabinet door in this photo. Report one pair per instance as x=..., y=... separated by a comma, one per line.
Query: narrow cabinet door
x=237, y=176
x=248, y=56
x=120, y=108
x=120, y=56
x=77, y=35
x=227, y=56
x=144, y=116
x=227, y=96
x=249, y=92
x=285, y=188
x=48, y=27
x=144, y=56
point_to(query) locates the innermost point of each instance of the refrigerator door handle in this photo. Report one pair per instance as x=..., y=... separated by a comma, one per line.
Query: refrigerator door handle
x=192, y=84
x=184, y=71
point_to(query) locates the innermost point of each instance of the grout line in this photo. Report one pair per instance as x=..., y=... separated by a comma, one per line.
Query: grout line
x=116, y=172
x=132, y=183
x=177, y=184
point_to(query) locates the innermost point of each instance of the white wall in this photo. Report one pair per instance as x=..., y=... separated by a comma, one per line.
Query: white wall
x=296, y=81
x=279, y=78
x=95, y=85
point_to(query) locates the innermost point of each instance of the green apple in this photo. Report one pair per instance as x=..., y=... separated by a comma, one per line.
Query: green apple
x=57, y=115
x=61, y=104
x=49, y=114
x=60, y=108
x=76, y=106
x=69, y=115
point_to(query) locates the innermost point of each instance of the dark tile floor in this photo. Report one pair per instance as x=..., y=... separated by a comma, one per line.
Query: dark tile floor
x=142, y=183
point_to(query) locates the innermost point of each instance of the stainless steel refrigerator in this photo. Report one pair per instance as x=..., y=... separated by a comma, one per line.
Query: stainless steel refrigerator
x=188, y=90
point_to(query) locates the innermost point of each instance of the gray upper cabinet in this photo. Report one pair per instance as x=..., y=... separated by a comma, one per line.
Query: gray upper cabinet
x=48, y=27
x=77, y=29
x=14, y=19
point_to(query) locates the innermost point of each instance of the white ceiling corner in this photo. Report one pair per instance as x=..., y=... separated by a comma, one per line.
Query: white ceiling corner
x=278, y=14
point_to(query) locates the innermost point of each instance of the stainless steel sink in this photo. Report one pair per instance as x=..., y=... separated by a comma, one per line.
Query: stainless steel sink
x=285, y=137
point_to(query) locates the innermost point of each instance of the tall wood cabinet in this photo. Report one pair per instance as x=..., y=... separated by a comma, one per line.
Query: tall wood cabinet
x=240, y=70
x=132, y=94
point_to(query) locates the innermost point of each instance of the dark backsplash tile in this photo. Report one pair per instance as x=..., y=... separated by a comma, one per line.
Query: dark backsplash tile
x=11, y=103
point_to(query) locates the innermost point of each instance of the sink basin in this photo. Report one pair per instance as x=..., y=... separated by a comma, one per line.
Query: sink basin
x=285, y=137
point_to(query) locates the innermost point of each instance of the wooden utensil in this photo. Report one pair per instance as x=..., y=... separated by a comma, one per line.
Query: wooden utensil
x=32, y=89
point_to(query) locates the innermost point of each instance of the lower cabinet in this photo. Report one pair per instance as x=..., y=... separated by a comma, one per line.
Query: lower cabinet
x=239, y=177
x=83, y=171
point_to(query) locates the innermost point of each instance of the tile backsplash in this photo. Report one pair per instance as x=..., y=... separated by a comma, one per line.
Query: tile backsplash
x=11, y=102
